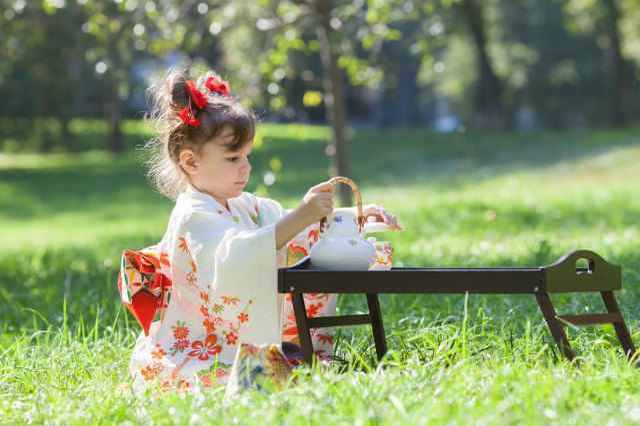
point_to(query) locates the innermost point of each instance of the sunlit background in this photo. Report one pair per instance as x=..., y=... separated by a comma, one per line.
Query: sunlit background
x=500, y=132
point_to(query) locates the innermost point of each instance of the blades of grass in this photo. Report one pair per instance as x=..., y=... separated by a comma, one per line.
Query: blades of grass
x=96, y=324
x=65, y=324
x=465, y=318
x=35, y=313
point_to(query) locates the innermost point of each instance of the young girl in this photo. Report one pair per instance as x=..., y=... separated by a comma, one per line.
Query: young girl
x=211, y=280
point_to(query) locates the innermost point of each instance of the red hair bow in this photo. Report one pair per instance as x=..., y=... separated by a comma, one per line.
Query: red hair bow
x=187, y=117
x=198, y=98
x=217, y=85
x=186, y=114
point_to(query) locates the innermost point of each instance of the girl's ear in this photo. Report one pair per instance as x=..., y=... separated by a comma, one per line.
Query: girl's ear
x=188, y=161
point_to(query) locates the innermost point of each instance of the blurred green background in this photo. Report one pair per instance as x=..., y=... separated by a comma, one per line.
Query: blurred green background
x=501, y=133
x=449, y=65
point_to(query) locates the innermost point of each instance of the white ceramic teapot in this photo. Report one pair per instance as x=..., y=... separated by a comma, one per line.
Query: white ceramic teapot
x=341, y=245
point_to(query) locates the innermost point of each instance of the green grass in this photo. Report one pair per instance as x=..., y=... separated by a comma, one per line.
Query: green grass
x=465, y=200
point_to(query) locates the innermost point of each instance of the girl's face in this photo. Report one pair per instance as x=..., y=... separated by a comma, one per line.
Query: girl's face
x=216, y=170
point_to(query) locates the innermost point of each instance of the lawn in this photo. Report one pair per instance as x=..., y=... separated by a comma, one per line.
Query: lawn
x=465, y=199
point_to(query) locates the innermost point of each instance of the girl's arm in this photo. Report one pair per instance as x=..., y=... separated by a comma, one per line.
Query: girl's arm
x=290, y=226
x=316, y=204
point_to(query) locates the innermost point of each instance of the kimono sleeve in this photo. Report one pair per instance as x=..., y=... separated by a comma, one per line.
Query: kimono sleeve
x=299, y=246
x=237, y=267
x=246, y=269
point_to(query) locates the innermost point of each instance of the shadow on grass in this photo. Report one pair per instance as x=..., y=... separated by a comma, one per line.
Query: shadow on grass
x=380, y=158
x=408, y=157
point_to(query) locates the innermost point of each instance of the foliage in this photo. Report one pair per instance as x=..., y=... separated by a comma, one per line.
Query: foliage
x=404, y=62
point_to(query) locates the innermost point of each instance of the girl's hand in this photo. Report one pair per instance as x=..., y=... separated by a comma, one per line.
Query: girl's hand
x=318, y=202
x=381, y=215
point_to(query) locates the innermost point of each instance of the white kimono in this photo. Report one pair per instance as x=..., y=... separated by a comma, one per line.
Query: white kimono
x=215, y=285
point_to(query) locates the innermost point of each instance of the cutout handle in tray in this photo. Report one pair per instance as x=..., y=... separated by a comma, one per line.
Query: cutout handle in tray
x=582, y=270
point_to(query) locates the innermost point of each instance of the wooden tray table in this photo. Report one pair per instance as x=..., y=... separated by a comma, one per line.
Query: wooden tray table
x=564, y=276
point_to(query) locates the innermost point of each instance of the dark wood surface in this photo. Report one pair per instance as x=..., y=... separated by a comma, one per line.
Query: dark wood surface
x=302, y=322
x=555, y=327
x=376, y=325
x=413, y=280
x=590, y=319
x=567, y=275
x=621, y=328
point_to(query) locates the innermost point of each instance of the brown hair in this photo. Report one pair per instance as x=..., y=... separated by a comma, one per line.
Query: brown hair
x=168, y=97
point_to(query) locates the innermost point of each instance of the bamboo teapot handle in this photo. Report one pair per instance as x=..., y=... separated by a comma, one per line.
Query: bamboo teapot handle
x=361, y=219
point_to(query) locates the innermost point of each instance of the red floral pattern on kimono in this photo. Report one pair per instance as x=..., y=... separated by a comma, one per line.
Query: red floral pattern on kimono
x=211, y=283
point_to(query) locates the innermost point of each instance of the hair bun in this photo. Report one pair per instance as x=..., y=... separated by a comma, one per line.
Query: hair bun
x=177, y=85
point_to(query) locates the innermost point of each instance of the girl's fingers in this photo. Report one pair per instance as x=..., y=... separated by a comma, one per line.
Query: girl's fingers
x=327, y=202
x=381, y=215
x=322, y=187
x=377, y=212
x=370, y=209
x=389, y=218
x=324, y=196
x=378, y=217
x=393, y=222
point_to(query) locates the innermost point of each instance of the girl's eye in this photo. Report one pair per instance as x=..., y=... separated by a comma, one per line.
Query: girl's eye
x=234, y=159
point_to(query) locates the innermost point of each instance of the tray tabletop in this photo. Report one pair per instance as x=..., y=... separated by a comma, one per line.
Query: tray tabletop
x=565, y=275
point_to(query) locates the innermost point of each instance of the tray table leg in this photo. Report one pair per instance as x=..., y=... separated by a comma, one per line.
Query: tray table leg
x=549, y=313
x=621, y=328
x=304, y=333
x=376, y=325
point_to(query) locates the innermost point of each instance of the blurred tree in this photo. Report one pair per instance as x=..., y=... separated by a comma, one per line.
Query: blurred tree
x=399, y=59
x=490, y=62
x=619, y=70
x=121, y=32
x=88, y=49
x=128, y=31
x=39, y=73
x=553, y=76
x=551, y=73
x=602, y=20
x=459, y=61
x=346, y=34
x=489, y=111
x=333, y=89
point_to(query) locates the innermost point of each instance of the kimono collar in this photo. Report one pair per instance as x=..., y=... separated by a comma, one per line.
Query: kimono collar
x=206, y=200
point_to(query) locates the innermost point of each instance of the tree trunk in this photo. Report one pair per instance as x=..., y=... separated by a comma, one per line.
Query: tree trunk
x=333, y=99
x=487, y=102
x=65, y=132
x=46, y=139
x=114, y=117
x=407, y=112
x=113, y=104
x=616, y=66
